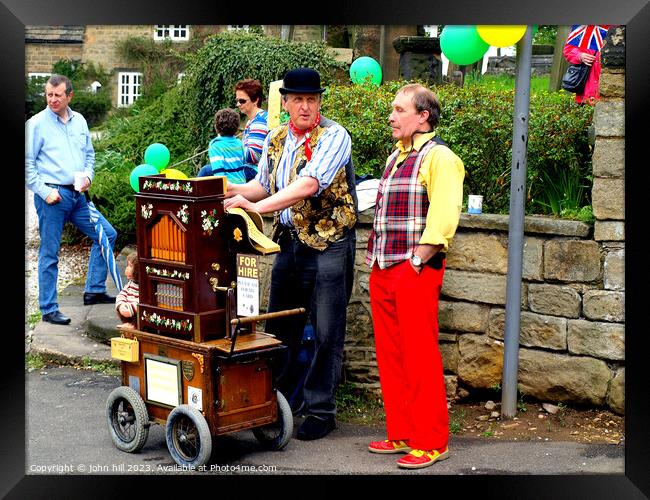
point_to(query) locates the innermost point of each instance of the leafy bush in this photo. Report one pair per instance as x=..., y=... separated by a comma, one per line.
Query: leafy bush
x=229, y=57
x=476, y=123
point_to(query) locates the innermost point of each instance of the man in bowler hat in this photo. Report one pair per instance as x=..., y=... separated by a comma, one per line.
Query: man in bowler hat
x=306, y=178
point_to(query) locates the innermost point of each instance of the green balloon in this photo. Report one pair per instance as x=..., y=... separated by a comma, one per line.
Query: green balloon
x=157, y=155
x=138, y=172
x=365, y=70
x=462, y=45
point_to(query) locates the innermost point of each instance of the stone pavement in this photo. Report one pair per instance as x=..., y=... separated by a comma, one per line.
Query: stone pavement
x=87, y=337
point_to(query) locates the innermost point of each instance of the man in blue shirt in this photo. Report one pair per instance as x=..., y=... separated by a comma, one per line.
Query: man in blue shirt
x=59, y=163
x=306, y=177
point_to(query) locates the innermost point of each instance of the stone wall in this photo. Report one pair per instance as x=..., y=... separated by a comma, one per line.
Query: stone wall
x=39, y=58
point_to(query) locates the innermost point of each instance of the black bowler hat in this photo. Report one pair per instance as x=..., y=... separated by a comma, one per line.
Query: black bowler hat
x=301, y=81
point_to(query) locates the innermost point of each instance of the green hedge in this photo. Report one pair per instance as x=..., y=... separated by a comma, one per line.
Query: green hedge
x=476, y=122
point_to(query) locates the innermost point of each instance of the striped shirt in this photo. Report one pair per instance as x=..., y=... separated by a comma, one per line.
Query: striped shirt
x=227, y=158
x=331, y=154
x=129, y=296
x=54, y=150
x=253, y=137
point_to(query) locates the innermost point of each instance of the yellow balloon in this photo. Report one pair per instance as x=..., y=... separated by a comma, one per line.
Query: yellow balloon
x=501, y=35
x=172, y=173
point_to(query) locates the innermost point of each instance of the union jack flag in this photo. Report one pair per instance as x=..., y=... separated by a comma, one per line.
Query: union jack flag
x=588, y=36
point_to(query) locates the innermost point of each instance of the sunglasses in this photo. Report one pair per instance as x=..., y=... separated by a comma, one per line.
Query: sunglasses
x=242, y=101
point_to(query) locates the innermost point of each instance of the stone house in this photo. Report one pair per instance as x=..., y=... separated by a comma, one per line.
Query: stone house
x=45, y=45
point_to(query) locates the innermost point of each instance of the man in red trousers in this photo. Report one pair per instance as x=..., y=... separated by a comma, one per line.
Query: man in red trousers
x=417, y=211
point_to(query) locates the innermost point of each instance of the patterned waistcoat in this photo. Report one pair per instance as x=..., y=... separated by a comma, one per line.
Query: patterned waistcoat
x=320, y=220
x=400, y=211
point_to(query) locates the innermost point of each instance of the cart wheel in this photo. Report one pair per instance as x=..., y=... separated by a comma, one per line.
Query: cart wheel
x=188, y=436
x=275, y=436
x=128, y=419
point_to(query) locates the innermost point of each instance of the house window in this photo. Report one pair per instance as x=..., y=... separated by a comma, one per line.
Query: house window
x=33, y=76
x=175, y=32
x=129, y=88
x=235, y=27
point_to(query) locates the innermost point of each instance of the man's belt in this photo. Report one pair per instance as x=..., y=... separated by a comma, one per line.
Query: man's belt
x=288, y=230
x=61, y=186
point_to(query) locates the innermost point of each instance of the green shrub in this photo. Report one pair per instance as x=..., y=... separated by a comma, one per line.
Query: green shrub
x=476, y=123
x=229, y=57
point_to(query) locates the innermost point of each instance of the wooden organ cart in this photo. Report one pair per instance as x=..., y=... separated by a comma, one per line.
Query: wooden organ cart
x=192, y=363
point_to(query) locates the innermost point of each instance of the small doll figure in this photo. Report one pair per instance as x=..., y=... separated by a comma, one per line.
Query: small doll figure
x=126, y=302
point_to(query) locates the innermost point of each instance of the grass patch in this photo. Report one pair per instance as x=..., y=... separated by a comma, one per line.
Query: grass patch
x=33, y=319
x=456, y=420
x=358, y=406
x=34, y=362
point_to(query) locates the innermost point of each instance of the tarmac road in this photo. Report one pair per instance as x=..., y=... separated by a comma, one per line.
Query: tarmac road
x=67, y=433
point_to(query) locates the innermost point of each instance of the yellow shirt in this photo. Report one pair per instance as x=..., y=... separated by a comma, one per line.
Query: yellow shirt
x=442, y=174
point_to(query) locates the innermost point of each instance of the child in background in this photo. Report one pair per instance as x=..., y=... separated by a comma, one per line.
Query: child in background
x=226, y=152
x=126, y=302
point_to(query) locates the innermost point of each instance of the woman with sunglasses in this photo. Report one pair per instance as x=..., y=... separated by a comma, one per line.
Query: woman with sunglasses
x=249, y=96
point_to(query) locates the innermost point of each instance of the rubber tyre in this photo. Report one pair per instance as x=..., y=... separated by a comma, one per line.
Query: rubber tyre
x=188, y=437
x=128, y=419
x=275, y=436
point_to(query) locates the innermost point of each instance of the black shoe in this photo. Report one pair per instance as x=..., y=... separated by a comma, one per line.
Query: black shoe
x=97, y=298
x=56, y=318
x=315, y=428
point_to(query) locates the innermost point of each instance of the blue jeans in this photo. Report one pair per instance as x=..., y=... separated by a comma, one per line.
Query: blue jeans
x=206, y=171
x=321, y=282
x=51, y=219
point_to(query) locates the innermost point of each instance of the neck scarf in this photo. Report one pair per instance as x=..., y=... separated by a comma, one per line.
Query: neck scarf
x=307, y=133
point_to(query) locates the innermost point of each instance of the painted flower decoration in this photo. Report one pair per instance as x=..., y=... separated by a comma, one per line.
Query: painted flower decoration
x=183, y=215
x=146, y=210
x=209, y=220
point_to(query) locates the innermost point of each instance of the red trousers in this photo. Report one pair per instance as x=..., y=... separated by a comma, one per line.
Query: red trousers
x=405, y=319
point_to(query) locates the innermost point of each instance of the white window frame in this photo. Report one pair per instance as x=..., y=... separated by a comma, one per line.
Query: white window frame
x=38, y=75
x=129, y=88
x=179, y=78
x=237, y=27
x=174, y=32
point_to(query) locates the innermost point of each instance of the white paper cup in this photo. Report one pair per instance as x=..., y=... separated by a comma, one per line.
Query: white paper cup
x=79, y=180
x=475, y=204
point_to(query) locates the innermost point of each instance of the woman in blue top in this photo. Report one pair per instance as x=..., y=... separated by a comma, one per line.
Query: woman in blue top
x=249, y=96
x=226, y=151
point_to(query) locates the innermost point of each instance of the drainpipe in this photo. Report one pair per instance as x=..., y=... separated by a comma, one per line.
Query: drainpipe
x=516, y=226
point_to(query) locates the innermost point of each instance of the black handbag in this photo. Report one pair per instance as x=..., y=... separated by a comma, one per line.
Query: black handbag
x=575, y=78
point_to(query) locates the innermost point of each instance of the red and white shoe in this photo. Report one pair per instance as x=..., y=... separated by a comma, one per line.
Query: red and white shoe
x=417, y=459
x=388, y=446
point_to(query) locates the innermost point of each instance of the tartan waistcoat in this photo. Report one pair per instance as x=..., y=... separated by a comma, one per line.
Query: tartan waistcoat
x=319, y=220
x=400, y=211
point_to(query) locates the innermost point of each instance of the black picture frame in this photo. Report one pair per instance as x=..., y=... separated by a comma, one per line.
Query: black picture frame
x=635, y=14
